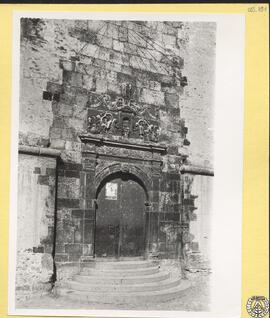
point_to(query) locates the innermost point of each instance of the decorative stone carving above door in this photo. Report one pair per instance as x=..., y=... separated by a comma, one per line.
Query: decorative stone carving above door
x=122, y=117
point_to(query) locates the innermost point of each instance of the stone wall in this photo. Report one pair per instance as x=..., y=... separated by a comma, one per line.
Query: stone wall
x=200, y=226
x=109, y=59
x=35, y=224
x=73, y=73
x=197, y=101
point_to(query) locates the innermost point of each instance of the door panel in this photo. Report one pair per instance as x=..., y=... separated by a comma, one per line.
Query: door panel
x=120, y=218
x=107, y=223
x=132, y=208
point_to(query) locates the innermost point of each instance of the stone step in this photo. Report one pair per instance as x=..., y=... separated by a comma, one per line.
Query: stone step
x=127, y=280
x=111, y=288
x=125, y=298
x=119, y=272
x=118, y=264
x=121, y=259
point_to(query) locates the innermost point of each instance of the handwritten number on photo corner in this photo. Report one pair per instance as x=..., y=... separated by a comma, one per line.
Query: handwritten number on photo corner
x=257, y=9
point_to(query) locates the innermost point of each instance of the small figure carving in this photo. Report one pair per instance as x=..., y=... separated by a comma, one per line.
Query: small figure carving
x=149, y=129
x=135, y=107
x=113, y=125
x=141, y=126
x=92, y=126
x=106, y=98
x=90, y=121
x=120, y=103
x=155, y=133
x=101, y=123
x=126, y=127
x=146, y=130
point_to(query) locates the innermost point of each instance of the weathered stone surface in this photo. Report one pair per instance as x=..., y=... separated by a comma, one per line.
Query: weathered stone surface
x=73, y=248
x=67, y=65
x=105, y=61
x=68, y=203
x=68, y=187
x=88, y=82
x=33, y=274
x=197, y=101
x=172, y=100
x=152, y=97
x=73, y=78
x=65, y=270
x=35, y=190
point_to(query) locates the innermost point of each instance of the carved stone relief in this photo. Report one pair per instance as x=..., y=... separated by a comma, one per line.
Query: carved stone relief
x=122, y=117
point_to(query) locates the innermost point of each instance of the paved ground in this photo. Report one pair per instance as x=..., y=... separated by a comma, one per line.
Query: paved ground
x=195, y=299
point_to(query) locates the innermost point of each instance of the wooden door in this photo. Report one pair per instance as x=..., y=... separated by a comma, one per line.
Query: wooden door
x=120, y=218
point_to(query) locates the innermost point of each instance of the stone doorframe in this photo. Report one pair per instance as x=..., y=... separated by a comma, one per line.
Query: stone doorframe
x=102, y=158
x=115, y=170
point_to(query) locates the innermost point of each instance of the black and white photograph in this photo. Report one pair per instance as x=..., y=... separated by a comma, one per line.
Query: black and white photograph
x=115, y=168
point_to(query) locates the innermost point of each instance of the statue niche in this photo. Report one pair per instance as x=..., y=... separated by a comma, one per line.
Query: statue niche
x=126, y=127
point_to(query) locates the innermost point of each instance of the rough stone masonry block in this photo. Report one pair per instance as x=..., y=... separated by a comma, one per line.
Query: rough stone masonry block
x=88, y=82
x=54, y=88
x=81, y=24
x=74, y=146
x=122, y=34
x=58, y=143
x=105, y=41
x=172, y=100
x=113, y=67
x=68, y=134
x=117, y=57
x=60, y=122
x=73, y=248
x=138, y=63
x=92, y=50
x=101, y=86
x=37, y=170
x=154, y=85
x=73, y=78
x=95, y=25
x=68, y=188
x=77, y=124
x=152, y=97
x=68, y=203
x=63, y=109
x=111, y=76
x=136, y=39
x=67, y=65
x=33, y=273
x=114, y=87
x=118, y=46
x=169, y=40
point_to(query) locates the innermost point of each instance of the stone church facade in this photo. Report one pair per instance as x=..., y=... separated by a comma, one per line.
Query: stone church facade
x=108, y=165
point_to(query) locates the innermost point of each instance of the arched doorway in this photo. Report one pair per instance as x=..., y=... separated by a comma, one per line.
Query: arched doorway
x=120, y=217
